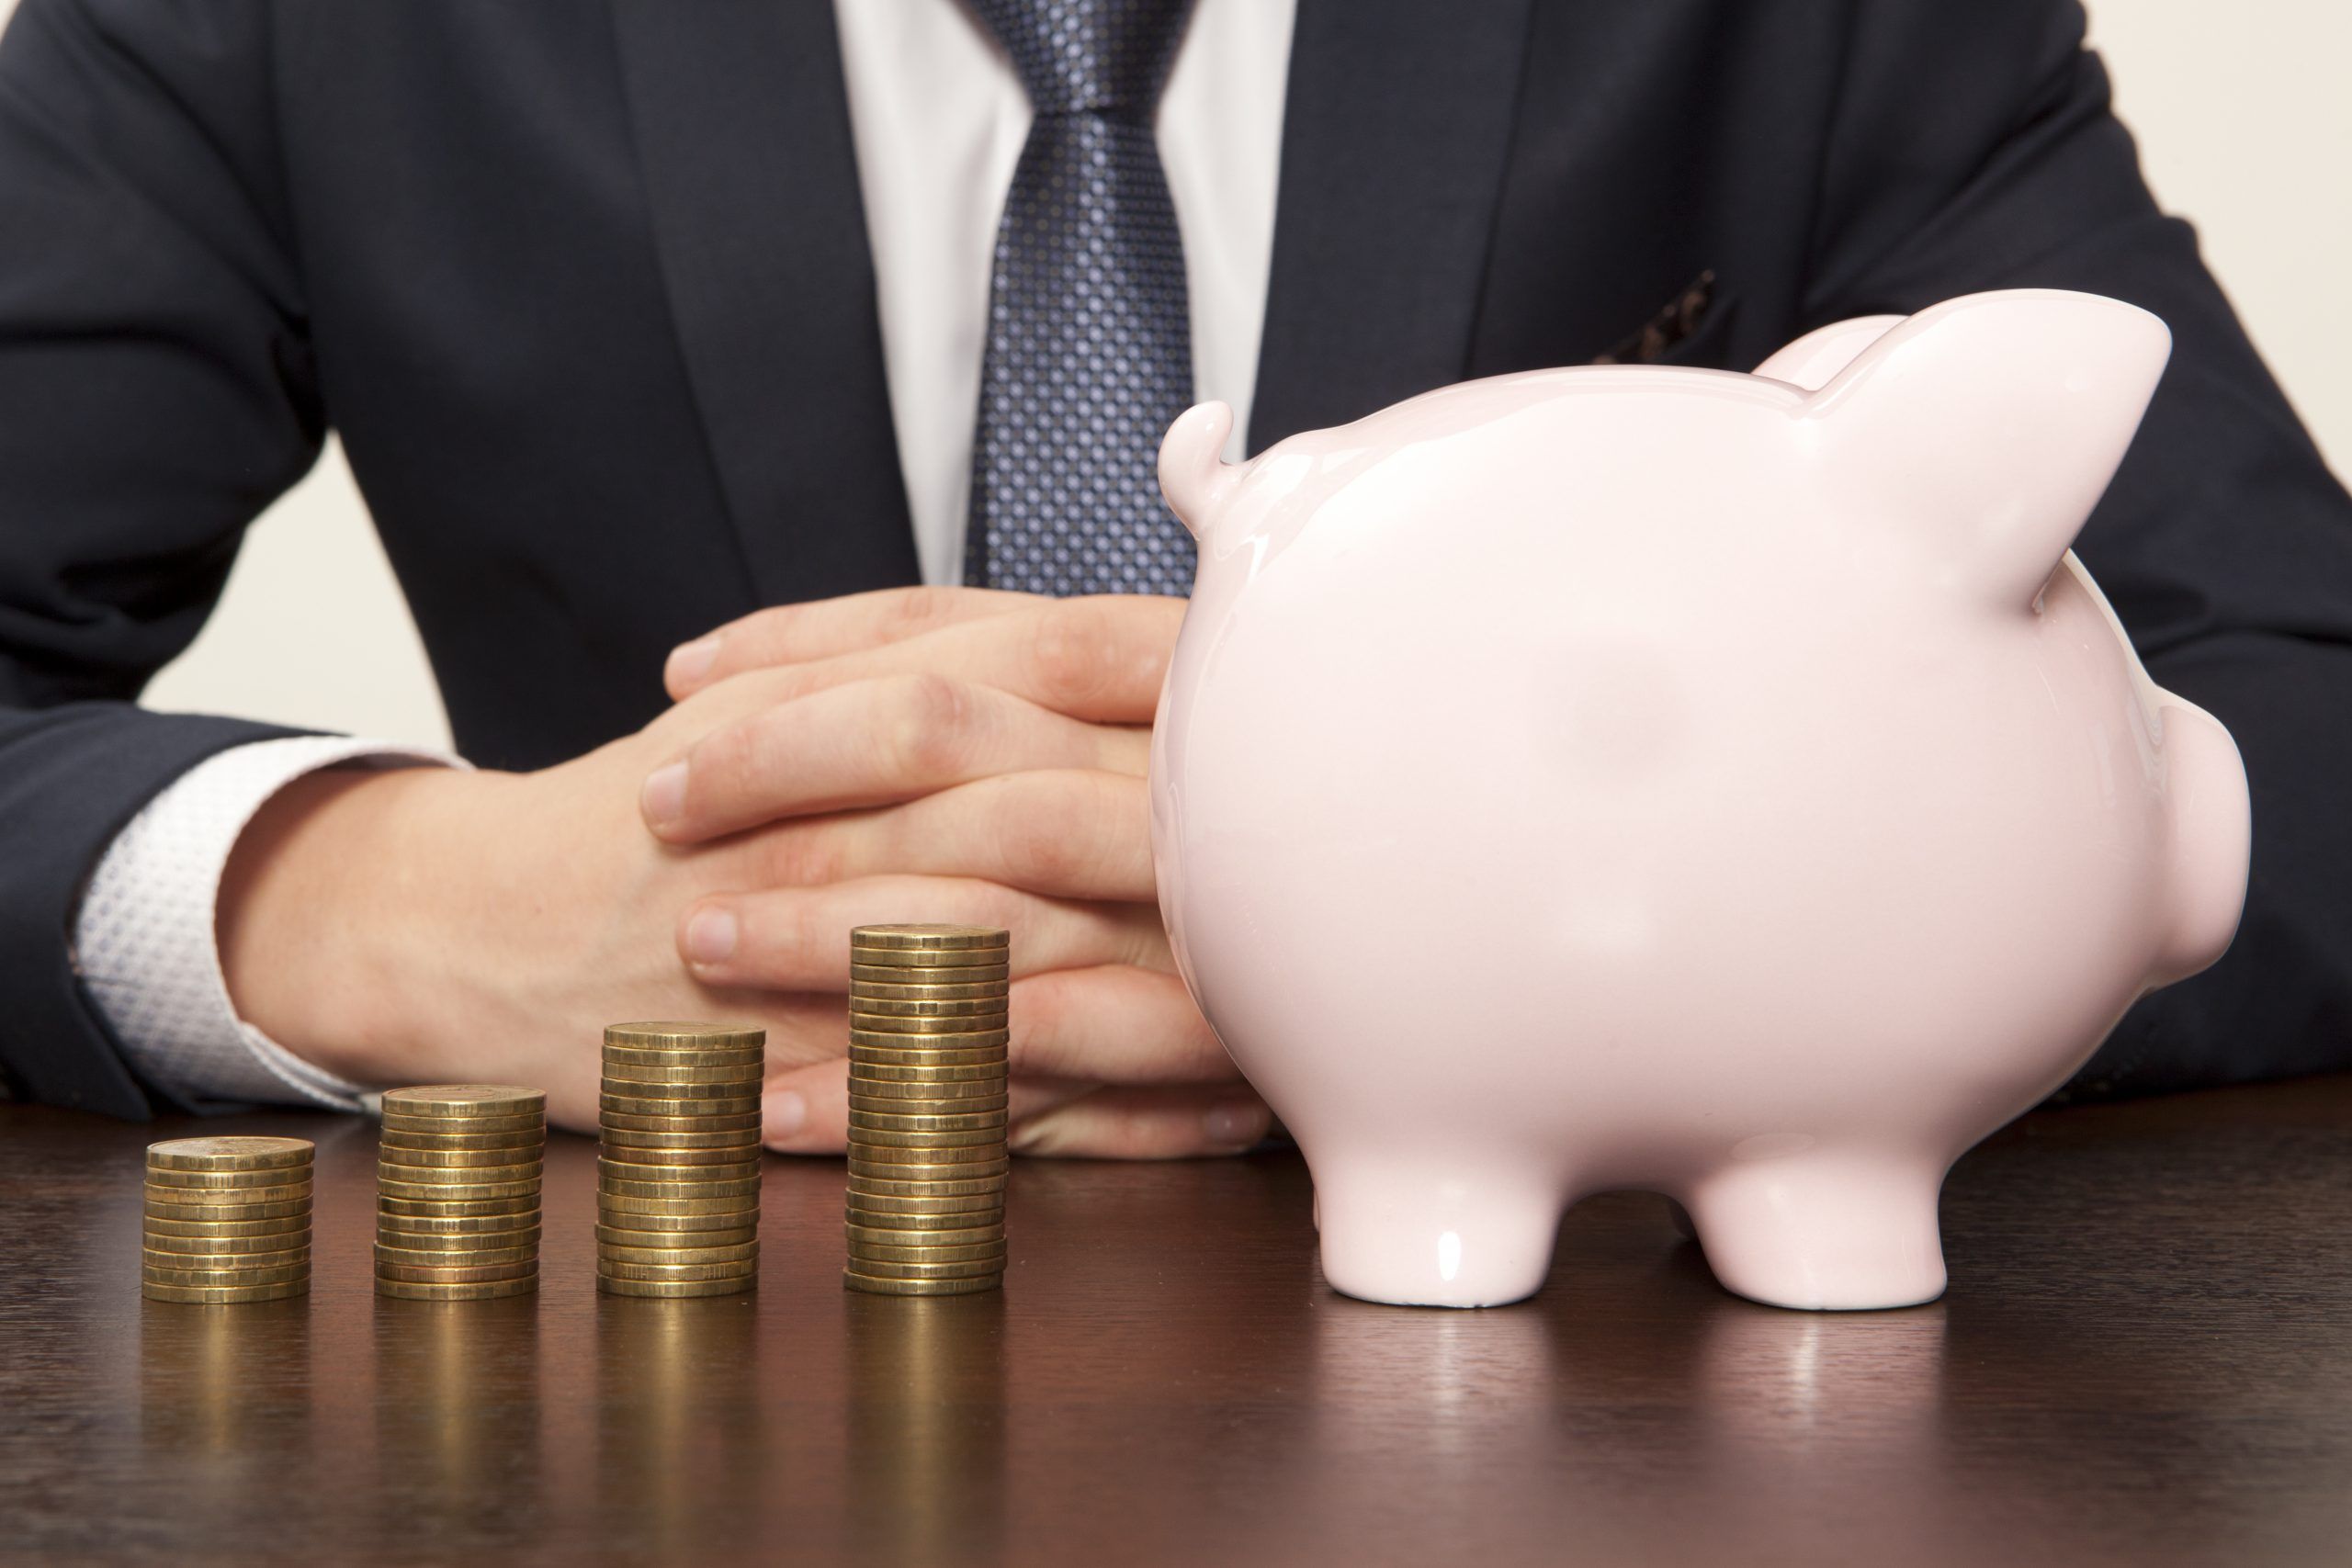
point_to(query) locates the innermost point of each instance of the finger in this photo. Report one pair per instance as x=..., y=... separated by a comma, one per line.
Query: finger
x=806, y=1108
x=1102, y=659
x=871, y=742
x=1115, y=1024
x=795, y=633
x=1067, y=834
x=796, y=939
x=1147, y=1123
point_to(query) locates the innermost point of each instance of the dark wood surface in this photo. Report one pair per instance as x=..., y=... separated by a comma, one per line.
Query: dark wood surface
x=2145, y=1357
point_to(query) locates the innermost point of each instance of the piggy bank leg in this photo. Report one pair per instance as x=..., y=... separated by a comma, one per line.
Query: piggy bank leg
x=1841, y=1231
x=1434, y=1233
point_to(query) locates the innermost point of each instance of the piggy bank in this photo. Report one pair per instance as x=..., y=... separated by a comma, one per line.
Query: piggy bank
x=1726, y=785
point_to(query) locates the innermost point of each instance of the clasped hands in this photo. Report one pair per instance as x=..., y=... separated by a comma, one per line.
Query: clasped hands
x=930, y=754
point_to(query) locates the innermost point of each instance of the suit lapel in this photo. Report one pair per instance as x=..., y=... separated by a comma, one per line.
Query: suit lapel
x=1395, y=132
x=742, y=123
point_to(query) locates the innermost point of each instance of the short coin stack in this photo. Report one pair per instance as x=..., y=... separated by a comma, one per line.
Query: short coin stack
x=927, y=1095
x=678, y=1179
x=228, y=1220
x=457, y=1192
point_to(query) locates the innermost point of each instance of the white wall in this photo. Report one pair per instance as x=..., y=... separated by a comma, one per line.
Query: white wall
x=2244, y=127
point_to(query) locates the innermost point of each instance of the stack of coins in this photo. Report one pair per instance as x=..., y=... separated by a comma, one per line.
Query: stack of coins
x=927, y=1095
x=228, y=1220
x=457, y=1192
x=678, y=1179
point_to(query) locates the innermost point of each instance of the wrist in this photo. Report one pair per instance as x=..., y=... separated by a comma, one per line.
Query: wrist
x=333, y=934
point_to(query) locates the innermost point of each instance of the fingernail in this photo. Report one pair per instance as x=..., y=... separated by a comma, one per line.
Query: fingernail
x=663, y=800
x=689, y=662
x=1232, y=1124
x=786, y=1113
x=710, y=936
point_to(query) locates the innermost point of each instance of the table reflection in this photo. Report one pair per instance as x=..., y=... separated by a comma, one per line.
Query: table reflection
x=680, y=1453
x=225, y=1396
x=457, y=1418
x=926, y=1438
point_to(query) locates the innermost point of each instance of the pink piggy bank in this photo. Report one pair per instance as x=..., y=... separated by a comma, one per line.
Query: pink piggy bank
x=1726, y=785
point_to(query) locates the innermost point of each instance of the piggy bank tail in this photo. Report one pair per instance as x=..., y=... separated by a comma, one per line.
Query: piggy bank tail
x=2212, y=835
x=1193, y=475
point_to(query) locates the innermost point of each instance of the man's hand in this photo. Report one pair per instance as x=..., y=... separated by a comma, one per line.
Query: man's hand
x=969, y=756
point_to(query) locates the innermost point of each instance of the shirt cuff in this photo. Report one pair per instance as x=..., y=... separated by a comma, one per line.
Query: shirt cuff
x=146, y=947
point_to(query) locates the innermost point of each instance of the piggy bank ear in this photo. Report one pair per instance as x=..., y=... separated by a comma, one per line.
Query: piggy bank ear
x=1193, y=474
x=1813, y=360
x=1996, y=421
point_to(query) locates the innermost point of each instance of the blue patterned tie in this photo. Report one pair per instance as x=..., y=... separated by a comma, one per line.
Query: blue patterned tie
x=1090, y=354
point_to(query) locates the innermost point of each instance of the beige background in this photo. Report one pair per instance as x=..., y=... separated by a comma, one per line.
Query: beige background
x=2243, y=128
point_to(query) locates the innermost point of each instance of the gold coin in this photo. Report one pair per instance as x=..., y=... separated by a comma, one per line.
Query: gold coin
x=674, y=1257
x=392, y=1138
x=214, y=1215
x=224, y=1278
x=675, y=1241
x=863, y=991
x=694, y=1036
x=521, y=1209
x=685, y=1056
x=251, y=1230
x=884, y=1103
x=885, y=1259
x=477, y=1197
x=927, y=1154
x=681, y=1159
x=928, y=1026
x=899, y=1210
x=633, y=1203
x=679, y=1089
x=978, y=1284
x=230, y=1154
x=869, y=1185
x=484, y=1290
x=737, y=1187
x=681, y=1224
x=929, y=973
x=388, y=1234
x=928, y=958
x=990, y=1210
x=883, y=1078
x=224, y=1296
x=933, y=1138
x=681, y=1083
x=612, y=1287
x=635, y=1138
x=920, y=1055
x=412, y=1274
x=903, y=937
x=675, y=1273
x=899, y=1236
x=231, y=1181
x=238, y=1263
x=903, y=1170
x=461, y=1159
x=679, y=1110
x=638, y=1170
x=209, y=1245
x=431, y=1257
x=229, y=1202
x=969, y=1268
x=929, y=1121
x=463, y=1126
x=620, y=1121
x=454, y=1100
x=991, y=1005
x=507, y=1224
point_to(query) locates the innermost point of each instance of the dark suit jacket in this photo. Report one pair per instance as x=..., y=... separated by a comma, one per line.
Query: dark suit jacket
x=585, y=288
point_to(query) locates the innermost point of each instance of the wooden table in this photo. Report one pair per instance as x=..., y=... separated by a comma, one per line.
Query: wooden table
x=2145, y=1357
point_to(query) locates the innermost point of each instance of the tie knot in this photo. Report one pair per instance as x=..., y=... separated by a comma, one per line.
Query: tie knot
x=1107, y=57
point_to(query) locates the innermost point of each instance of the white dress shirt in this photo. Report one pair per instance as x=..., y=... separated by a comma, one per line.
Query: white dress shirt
x=937, y=118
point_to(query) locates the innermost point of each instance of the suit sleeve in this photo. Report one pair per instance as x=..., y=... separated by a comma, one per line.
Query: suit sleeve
x=157, y=392
x=1973, y=148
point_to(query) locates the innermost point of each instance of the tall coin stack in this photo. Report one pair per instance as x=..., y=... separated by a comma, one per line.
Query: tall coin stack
x=227, y=1220
x=927, y=1097
x=678, y=1179
x=457, y=1192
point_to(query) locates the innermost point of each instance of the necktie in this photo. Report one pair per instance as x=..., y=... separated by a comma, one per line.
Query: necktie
x=1089, y=352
